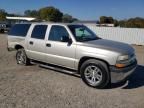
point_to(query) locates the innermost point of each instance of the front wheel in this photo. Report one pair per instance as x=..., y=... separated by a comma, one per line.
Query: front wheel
x=95, y=73
x=22, y=58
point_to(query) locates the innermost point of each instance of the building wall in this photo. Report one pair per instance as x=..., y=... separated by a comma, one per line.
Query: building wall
x=126, y=35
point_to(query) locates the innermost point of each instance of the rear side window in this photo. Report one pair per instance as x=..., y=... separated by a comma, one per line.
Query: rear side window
x=39, y=32
x=19, y=30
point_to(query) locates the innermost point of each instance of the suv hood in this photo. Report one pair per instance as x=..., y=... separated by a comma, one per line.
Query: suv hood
x=110, y=45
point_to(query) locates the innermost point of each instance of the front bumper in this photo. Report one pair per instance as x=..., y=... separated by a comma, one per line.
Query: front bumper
x=120, y=74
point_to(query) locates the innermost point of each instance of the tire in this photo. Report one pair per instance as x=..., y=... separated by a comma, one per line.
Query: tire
x=95, y=74
x=2, y=30
x=22, y=58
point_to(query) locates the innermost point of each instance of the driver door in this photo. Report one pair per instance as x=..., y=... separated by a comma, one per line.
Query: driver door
x=58, y=52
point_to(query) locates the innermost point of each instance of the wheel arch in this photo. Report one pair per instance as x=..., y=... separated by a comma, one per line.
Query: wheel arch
x=18, y=47
x=83, y=59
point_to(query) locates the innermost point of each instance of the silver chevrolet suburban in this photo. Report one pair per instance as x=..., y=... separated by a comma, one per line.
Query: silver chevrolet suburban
x=72, y=48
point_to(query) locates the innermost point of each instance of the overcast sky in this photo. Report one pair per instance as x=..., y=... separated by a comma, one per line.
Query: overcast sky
x=82, y=9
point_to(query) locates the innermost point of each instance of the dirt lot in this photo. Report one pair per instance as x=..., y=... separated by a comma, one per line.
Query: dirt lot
x=35, y=87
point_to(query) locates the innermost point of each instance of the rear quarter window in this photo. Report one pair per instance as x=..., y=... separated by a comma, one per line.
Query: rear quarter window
x=19, y=30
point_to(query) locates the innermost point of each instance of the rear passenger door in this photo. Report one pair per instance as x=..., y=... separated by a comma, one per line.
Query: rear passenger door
x=36, y=43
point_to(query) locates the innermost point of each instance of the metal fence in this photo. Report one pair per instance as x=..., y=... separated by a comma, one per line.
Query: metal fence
x=126, y=35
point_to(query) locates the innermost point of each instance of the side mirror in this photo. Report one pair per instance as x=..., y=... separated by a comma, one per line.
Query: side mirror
x=70, y=41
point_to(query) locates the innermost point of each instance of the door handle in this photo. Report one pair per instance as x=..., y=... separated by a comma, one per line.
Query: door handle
x=48, y=45
x=31, y=43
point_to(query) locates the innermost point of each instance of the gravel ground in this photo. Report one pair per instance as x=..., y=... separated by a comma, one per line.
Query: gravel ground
x=35, y=87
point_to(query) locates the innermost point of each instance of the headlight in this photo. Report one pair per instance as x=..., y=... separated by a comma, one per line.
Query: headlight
x=123, y=57
x=121, y=61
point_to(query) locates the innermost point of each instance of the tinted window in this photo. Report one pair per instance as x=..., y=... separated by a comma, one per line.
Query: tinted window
x=8, y=25
x=57, y=32
x=39, y=31
x=19, y=30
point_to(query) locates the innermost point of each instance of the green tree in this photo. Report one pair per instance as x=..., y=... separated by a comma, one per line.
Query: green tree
x=68, y=18
x=2, y=15
x=31, y=13
x=110, y=20
x=116, y=23
x=132, y=23
x=106, y=20
x=102, y=19
x=122, y=23
x=27, y=13
x=51, y=14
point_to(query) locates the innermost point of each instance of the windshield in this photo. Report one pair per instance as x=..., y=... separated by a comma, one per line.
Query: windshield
x=82, y=33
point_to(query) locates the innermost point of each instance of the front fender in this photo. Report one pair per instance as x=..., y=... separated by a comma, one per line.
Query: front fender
x=109, y=56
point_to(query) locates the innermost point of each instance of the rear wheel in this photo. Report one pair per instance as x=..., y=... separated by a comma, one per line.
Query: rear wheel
x=95, y=73
x=22, y=58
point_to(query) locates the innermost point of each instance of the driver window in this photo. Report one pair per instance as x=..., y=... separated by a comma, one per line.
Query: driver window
x=57, y=32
